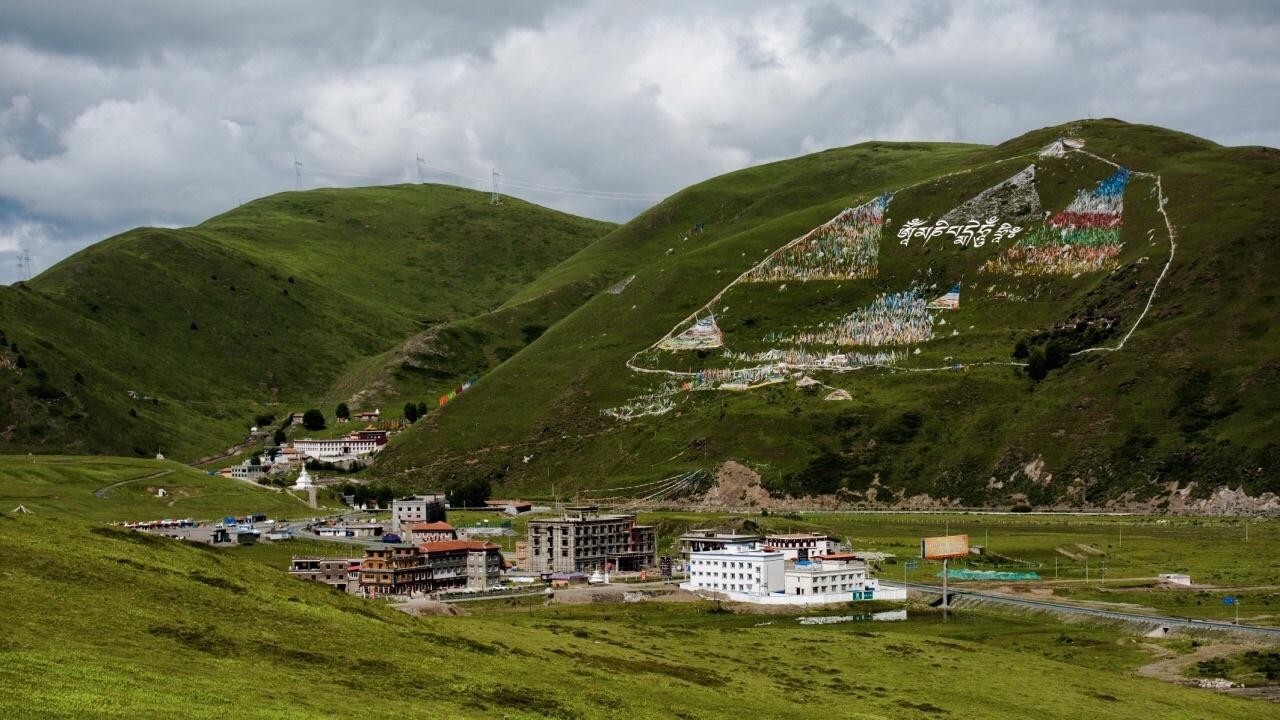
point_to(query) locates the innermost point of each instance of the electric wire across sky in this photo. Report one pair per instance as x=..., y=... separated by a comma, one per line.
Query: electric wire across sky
x=516, y=184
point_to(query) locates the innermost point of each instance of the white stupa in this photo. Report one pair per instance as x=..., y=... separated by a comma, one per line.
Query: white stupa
x=304, y=480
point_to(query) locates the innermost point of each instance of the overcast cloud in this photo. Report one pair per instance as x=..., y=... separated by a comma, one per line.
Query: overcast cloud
x=117, y=114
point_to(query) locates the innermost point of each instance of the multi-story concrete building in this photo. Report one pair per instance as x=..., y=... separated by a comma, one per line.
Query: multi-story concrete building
x=356, y=444
x=801, y=546
x=472, y=564
x=405, y=569
x=416, y=509
x=835, y=578
x=341, y=573
x=741, y=574
x=582, y=540
x=736, y=570
x=394, y=569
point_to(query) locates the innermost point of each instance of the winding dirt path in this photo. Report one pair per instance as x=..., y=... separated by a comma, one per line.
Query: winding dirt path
x=102, y=491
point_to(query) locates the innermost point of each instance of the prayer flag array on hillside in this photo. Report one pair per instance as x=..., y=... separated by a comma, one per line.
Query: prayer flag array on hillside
x=703, y=334
x=1084, y=237
x=950, y=301
x=1015, y=200
x=846, y=247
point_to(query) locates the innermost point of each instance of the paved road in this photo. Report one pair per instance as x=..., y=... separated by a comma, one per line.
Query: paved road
x=1173, y=622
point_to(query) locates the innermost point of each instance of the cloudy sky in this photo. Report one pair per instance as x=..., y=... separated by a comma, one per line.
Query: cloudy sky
x=125, y=113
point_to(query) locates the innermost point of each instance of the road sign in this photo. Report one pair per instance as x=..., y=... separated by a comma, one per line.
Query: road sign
x=1228, y=600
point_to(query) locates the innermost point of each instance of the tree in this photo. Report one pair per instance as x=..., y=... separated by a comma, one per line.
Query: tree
x=22, y=361
x=279, y=438
x=1055, y=355
x=411, y=412
x=342, y=412
x=1037, y=367
x=422, y=409
x=255, y=461
x=1020, y=349
x=469, y=493
x=313, y=419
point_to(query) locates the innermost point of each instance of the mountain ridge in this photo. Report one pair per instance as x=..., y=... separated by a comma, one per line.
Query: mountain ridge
x=175, y=339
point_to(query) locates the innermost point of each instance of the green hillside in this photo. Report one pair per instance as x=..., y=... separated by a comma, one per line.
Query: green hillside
x=176, y=339
x=110, y=489
x=943, y=407
x=130, y=625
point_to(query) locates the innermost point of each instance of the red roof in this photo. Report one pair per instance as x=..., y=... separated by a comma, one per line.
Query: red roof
x=838, y=556
x=438, y=526
x=453, y=545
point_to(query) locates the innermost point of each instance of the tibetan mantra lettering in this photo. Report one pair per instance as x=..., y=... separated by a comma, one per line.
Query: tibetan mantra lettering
x=972, y=233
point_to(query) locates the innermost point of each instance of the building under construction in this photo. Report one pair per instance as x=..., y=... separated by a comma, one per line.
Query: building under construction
x=583, y=540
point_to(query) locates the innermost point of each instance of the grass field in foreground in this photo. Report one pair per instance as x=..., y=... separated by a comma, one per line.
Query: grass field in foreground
x=67, y=486
x=105, y=622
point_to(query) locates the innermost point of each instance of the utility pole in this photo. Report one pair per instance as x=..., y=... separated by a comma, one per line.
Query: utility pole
x=946, y=602
x=297, y=173
x=494, y=199
x=420, y=161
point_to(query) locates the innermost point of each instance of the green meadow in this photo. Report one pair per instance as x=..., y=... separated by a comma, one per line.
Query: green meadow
x=108, y=622
x=105, y=622
x=107, y=489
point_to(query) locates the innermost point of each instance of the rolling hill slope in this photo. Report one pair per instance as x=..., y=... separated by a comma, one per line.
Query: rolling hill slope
x=176, y=339
x=1117, y=347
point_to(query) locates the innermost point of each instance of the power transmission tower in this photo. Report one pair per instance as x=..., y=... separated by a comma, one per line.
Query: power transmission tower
x=297, y=172
x=495, y=199
x=420, y=161
x=24, y=265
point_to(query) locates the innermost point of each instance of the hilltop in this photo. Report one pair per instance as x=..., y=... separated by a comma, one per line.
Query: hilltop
x=1116, y=349
x=179, y=340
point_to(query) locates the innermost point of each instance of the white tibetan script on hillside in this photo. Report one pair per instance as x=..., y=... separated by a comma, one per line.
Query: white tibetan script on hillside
x=972, y=233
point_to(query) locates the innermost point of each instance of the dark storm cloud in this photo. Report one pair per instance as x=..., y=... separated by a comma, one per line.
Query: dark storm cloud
x=120, y=114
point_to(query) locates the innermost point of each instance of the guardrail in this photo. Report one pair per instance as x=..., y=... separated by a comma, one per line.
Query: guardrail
x=1187, y=623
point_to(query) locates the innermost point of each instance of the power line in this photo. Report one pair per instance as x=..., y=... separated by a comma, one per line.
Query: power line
x=527, y=185
x=492, y=180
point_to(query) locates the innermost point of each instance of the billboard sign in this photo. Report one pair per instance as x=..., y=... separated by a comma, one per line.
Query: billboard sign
x=945, y=546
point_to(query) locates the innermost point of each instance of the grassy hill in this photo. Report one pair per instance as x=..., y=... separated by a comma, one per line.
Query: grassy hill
x=130, y=625
x=110, y=489
x=177, y=338
x=953, y=416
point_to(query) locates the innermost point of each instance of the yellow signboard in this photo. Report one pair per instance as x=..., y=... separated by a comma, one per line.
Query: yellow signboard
x=946, y=546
